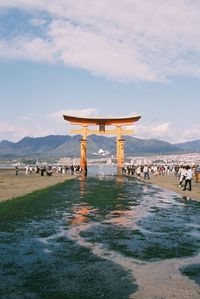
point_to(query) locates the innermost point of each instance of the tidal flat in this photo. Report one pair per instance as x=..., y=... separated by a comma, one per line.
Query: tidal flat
x=102, y=237
x=12, y=185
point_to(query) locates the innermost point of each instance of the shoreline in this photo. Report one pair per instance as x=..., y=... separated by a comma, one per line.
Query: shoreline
x=13, y=186
x=171, y=183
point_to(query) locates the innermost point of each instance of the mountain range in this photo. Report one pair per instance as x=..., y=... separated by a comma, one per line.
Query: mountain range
x=56, y=146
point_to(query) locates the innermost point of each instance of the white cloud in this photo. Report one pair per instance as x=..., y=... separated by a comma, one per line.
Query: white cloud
x=28, y=48
x=167, y=132
x=124, y=40
x=93, y=51
x=191, y=134
x=12, y=132
x=88, y=112
x=155, y=130
x=52, y=124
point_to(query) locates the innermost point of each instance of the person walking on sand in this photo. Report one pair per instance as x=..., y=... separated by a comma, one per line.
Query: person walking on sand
x=188, y=178
x=16, y=170
x=146, y=172
x=72, y=169
x=183, y=174
x=197, y=173
x=27, y=169
x=138, y=171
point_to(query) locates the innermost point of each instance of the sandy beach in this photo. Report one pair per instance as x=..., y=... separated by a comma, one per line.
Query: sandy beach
x=12, y=185
x=170, y=182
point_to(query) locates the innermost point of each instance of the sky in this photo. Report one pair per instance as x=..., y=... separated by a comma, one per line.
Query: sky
x=100, y=59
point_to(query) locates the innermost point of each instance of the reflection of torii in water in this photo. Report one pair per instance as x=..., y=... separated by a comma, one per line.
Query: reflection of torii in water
x=102, y=123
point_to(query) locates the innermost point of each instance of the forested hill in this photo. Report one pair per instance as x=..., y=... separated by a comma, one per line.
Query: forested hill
x=56, y=146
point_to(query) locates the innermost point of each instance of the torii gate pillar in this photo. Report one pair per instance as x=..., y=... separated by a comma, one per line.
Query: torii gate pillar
x=83, y=158
x=120, y=153
x=120, y=150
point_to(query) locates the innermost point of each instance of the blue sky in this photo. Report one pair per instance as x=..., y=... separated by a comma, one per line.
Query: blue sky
x=111, y=59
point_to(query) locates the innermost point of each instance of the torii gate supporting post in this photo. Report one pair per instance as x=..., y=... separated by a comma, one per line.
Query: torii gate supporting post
x=83, y=160
x=120, y=150
x=83, y=141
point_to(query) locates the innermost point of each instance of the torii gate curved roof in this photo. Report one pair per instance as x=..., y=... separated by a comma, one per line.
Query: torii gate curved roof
x=101, y=121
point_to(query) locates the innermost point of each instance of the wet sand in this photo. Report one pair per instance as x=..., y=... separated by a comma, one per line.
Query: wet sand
x=155, y=278
x=170, y=182
x=12, y=185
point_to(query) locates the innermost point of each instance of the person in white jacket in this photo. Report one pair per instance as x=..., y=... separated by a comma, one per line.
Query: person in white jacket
x=183, y=174
x=188, y=178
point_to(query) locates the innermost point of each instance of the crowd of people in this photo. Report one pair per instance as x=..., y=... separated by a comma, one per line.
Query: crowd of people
x=184, y=173
x=52, y=169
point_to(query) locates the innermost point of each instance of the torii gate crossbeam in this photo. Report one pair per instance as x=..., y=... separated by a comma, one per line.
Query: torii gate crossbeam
x=118, y=123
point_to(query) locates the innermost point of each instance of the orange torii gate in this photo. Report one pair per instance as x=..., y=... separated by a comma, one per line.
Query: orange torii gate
x=102, y=123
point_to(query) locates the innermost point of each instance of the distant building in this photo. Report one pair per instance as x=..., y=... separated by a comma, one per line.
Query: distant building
x=65, y=161
x=69, y=161
x=76, y=161
x=101, y=152
x=108, y=161
x=188, y=158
